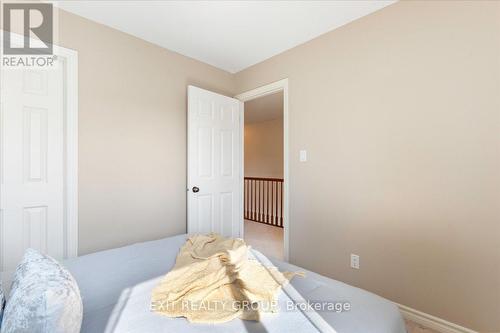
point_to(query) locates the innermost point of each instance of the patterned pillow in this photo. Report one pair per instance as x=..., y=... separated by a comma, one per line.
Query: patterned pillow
x=44, y=298
x=2, y=303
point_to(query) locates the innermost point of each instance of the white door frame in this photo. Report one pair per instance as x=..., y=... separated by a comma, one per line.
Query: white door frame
x=271, y=88
x=71, y=144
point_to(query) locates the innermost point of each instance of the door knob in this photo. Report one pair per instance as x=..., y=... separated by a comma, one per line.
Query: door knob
x=196, y=189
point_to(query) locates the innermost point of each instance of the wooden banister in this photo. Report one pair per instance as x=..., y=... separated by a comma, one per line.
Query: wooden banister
x=264, y=200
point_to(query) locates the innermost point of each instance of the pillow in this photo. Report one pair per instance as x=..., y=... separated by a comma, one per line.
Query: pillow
x=2, y=303
x=44, y=298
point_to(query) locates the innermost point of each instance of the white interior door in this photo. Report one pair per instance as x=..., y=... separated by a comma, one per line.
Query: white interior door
x=214, y=163
x=32, y=168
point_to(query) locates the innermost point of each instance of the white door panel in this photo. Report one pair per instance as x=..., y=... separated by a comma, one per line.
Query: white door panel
x=213, y=163
x=32, y=168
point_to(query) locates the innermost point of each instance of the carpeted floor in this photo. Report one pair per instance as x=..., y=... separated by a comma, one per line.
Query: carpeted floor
x=265, y=238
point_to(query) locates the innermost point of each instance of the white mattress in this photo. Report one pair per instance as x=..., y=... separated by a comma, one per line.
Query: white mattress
x=116, y=286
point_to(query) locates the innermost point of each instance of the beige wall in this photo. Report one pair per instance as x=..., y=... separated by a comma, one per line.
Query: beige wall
x=400, y=114
x=132, y=133
x=264, y=149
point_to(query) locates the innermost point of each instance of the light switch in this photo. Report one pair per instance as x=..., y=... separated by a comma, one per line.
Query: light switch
x=354, y=261
x=303, y=155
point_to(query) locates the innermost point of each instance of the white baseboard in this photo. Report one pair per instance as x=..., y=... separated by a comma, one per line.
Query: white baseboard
x=431, y=322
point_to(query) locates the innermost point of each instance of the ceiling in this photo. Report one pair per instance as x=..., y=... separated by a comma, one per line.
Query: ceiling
x=230, y=35
x=264, y=108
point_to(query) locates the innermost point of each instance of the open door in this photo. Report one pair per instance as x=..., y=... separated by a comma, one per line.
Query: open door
x=214, y=163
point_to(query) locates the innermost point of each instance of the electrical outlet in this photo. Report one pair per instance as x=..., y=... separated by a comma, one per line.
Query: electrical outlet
x=303, y=156
x=354, y=261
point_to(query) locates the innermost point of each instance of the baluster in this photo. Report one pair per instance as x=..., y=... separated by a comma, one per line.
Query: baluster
x=272, y=203
x=281, y=204
x=258, y=200
x=254, y=199
x=262, y=203
x=276, y=205
x=268, y=196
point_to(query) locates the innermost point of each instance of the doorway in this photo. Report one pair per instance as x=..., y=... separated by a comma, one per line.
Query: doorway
x=265, y=169
x=216, y=184
x=39, y=160
x=263, y=177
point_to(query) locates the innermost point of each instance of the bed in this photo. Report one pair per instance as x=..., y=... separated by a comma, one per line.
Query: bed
x=116, y=286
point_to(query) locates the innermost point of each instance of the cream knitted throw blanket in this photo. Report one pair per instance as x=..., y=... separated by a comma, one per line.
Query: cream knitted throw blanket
x=215, y=281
